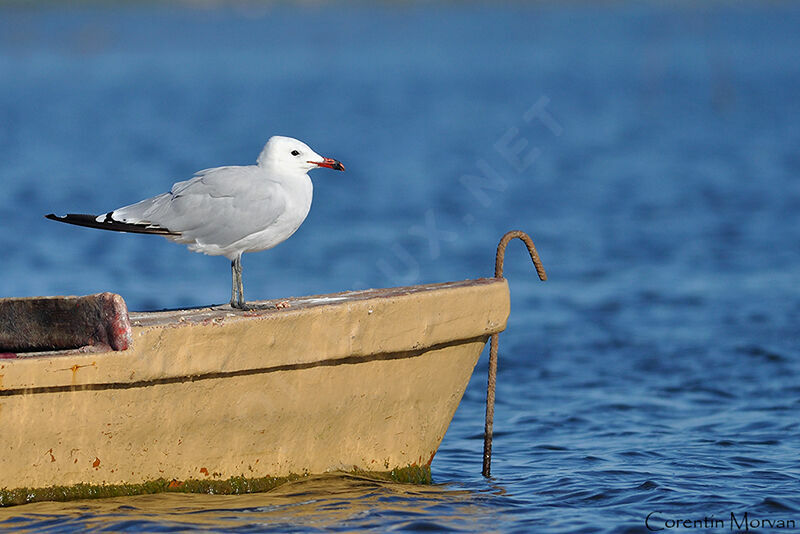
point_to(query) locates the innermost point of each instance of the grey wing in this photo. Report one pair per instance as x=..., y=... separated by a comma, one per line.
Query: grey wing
x=218, y=206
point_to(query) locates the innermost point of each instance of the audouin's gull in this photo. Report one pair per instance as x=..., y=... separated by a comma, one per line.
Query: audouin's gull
x=227, y=211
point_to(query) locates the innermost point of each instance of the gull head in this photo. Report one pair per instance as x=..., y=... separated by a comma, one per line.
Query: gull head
x=292, y=155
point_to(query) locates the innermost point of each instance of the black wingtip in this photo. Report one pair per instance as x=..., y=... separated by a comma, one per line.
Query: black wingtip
x=90, y=221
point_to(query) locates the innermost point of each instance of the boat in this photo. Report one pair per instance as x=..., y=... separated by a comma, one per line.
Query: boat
x=220, y=400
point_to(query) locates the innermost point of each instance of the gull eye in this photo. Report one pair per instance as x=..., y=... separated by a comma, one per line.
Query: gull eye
x=295, y=153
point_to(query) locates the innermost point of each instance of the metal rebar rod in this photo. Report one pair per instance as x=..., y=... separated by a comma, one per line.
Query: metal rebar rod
x=493, y=348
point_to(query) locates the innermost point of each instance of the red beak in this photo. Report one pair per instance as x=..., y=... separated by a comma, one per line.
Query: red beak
x=329, y=163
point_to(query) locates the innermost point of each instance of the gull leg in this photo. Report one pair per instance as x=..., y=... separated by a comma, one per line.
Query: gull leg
x=240, y=302
x=234, y=285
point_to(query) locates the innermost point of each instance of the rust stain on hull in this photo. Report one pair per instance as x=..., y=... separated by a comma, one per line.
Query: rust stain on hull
x=75, y=368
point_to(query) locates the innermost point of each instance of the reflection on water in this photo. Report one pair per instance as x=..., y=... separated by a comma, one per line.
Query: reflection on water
x=316, y=502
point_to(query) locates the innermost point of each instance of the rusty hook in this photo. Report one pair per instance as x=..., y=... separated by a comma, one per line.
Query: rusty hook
x=492, y=383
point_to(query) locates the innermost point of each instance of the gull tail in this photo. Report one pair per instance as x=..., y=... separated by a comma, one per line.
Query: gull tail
x=106, y=222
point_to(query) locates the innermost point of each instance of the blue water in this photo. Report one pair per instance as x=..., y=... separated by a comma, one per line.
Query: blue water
x=650, y=151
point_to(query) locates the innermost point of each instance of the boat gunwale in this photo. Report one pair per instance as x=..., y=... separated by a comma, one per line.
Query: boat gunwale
x=261, y=309
x=266, y=308
x=365, y=323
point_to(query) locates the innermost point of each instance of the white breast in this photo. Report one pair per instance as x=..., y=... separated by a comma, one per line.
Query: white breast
x=298, y=194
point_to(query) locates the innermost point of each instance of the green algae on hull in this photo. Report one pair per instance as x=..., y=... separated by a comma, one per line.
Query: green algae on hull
x=412, y=474
x=233, y=486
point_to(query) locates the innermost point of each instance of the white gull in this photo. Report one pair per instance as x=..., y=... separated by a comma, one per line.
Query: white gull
x=227, y=211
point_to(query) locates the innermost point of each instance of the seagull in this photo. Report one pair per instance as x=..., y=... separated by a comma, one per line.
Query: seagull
x=227, y=211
